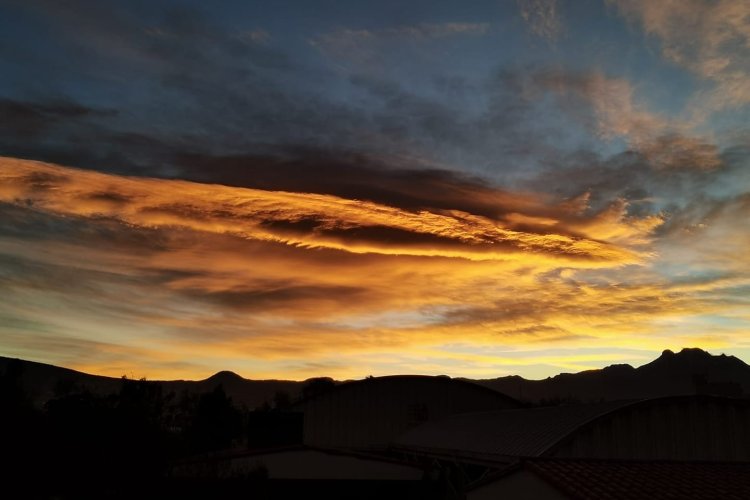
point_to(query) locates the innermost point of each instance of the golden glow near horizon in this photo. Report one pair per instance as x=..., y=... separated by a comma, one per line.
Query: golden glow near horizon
x=168, y=278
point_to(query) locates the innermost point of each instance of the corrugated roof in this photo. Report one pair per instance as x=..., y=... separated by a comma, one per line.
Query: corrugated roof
x=631, y=480
x=502, y=433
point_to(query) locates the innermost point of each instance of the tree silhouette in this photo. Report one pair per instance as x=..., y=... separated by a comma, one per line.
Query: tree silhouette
x=282, y=401
x=21, y=427
x=216, y=422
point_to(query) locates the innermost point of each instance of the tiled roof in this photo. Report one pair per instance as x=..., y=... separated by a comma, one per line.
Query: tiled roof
x=504, y=433
x=638, y=480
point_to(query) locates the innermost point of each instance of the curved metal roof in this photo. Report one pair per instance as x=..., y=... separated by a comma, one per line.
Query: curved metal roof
x=502, y=434
x=645, y=403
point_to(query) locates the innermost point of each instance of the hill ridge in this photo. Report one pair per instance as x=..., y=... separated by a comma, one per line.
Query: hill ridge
x=690, y=371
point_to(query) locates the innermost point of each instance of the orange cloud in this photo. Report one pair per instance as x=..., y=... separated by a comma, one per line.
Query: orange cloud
x=169, y=278
x=302, y=219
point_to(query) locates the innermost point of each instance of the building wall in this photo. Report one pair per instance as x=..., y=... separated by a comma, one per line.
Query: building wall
x=520, y=485
x=670, y=429
x=373, y=412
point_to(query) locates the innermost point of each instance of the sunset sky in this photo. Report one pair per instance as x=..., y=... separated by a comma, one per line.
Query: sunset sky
x=290, y=189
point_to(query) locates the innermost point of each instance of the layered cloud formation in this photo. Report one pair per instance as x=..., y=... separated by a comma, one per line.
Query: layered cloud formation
x=516, y=187
x=323, y=221
x=169, y=267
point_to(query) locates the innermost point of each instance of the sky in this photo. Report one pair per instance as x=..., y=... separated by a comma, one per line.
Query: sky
x=291, y=189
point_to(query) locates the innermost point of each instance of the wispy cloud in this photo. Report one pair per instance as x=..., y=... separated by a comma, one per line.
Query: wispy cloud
x=710, y=38
x=423, y=31
x=542, y=17
x=368, y=47
x=612, y=110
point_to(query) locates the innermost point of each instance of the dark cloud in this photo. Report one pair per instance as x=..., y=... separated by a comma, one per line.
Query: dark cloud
x=274, y=296
x=113, y=197
x=70, y=133
x=205, y=90
x=21, y=118
x=212, y=102
x=403, y=238
x=632, y=176
x=50, y=130
x=176, y=83
x=392, y=181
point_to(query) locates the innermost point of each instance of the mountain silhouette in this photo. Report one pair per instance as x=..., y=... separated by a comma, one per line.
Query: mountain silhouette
x=225, y=377
x=43, y=382
x=690, y=371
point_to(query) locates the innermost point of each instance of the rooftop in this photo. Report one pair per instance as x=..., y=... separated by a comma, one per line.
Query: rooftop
x=636, y=480
x=502, y=433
